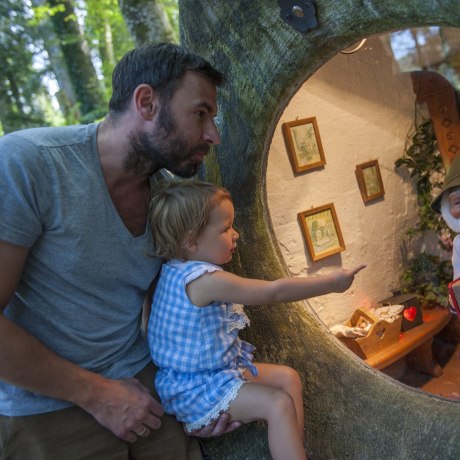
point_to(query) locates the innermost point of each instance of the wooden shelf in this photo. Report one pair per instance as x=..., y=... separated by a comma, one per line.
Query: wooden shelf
x=420, y=336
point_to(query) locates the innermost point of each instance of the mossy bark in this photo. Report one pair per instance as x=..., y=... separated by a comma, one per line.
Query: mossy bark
x=147, y=21
x=352, y=411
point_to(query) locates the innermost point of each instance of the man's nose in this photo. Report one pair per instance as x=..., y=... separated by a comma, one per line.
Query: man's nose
x=211, y=135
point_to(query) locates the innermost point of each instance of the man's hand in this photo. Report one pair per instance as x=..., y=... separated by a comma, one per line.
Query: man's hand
x=216, y=427
x=126, y=408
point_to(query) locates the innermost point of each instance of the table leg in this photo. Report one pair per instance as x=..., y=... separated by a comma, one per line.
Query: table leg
x=421, y=359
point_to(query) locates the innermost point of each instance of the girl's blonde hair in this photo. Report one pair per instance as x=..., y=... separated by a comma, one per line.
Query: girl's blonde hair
x=179, y=211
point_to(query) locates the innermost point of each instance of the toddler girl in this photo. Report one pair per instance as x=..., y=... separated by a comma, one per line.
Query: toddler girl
x=204, y=368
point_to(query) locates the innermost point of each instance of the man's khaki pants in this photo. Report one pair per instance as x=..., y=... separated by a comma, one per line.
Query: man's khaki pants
x=73, y=434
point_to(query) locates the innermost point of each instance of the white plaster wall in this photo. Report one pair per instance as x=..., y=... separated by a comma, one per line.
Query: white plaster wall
x=364, y=109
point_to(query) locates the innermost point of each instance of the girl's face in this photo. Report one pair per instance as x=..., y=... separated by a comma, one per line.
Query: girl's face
x=454, y=200
x=217, y=242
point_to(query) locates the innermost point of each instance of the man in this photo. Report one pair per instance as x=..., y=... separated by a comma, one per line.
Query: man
x=74, y=271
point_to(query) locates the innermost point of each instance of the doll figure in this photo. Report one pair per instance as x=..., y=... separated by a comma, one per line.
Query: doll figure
x=447, y=203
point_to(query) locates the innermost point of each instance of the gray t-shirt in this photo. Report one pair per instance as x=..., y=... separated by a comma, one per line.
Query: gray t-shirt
x=83, y=285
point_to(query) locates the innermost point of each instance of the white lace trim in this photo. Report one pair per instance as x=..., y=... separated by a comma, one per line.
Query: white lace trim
x=217, y=410
x=237, y=319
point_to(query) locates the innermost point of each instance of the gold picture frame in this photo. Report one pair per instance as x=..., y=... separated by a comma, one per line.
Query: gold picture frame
x=369, y=180
x=321, y=231
x=303, y=144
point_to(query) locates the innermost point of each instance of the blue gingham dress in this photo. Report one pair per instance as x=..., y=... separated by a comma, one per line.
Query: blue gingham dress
x=199, y=355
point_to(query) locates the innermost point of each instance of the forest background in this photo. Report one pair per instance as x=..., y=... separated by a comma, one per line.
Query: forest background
x=57, y=56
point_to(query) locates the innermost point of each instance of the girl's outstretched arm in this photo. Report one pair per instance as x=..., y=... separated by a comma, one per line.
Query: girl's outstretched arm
x=228, y=287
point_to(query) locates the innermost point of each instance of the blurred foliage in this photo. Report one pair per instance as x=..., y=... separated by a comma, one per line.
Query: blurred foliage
x=427, y=276
x=107, y=34
x=20, y=79
x=29, y=91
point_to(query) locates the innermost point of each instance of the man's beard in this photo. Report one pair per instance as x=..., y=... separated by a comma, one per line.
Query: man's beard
x=160, y=149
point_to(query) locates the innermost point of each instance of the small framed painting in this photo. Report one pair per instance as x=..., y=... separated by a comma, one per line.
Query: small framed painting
x=321, y=230
x=369, y=180
x=303, y=144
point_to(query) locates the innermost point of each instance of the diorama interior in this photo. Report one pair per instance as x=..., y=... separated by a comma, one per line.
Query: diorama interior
x=355, y=117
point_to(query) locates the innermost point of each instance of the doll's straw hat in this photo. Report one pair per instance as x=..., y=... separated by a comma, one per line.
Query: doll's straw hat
x=452, y=180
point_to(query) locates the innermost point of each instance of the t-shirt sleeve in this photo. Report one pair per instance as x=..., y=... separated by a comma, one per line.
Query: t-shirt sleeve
x=24, y=188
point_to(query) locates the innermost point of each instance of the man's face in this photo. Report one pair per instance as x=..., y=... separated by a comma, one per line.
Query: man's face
x=184, y=130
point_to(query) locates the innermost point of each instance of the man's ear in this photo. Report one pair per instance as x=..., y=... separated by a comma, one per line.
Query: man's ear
x=146, y=101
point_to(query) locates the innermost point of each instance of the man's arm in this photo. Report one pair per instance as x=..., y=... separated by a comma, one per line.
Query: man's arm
x=122, y=406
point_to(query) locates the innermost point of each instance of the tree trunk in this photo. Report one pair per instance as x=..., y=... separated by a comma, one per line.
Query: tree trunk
x=352, y=411
x=7, y=114
x=147, y=21
x=80, y=67
x=66, y=95
x=106, y=50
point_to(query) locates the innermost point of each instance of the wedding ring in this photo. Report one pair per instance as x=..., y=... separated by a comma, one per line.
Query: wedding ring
x=143, y=431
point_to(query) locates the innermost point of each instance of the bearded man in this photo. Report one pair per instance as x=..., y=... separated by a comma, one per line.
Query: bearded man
x=76, y=378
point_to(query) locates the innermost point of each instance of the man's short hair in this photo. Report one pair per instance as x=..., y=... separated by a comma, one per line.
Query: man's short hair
x=161, y=66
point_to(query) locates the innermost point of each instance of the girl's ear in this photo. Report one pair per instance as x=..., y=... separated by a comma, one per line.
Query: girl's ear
x=190, y=243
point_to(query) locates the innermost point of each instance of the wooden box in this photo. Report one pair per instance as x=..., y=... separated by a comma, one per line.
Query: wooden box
x=381, y=334
x=412, y=313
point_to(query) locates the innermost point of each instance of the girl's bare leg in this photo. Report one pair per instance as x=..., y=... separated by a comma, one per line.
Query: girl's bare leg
x=284, y=378
x=263, y=402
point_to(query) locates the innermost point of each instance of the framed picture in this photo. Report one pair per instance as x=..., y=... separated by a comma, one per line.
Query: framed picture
x=321, y=231
x=369, y=180
x=303, y=144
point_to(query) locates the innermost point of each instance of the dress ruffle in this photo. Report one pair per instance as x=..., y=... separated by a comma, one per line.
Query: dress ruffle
x=215, y=412
x=237, y=318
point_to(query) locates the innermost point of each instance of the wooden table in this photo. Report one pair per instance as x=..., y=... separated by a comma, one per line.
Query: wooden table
x=415, y=345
